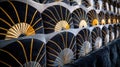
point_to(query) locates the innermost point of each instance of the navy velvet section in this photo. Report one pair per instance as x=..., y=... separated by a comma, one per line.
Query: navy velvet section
x=108, y=56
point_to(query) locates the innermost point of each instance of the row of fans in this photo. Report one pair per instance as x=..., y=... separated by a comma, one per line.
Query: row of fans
x=61, y=49
x=18, y=19
x=109, y=5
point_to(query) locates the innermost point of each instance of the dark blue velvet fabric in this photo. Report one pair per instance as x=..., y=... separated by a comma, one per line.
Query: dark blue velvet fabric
x=107, y=56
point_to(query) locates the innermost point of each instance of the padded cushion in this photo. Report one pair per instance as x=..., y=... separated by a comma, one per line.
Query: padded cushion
x=56, y=18
x=61, y=49
x=26, y=52
x=19, y=19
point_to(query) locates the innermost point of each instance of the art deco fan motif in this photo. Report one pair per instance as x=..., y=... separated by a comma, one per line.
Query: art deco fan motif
x=93, y=18
x=113, y=19
x=102, y=18
x=18, y=19
x=96, y=38
x=86, y=3
x=117, y=18
x=118, y=26
x=104, y=7
x=96, y=4
x=23, y=53
x=114, y=6
x=111, y=33
x=56, y=18
x=108, y=18
x=61, y=49
x=83, y=43
x=80, y=18
x=105, y=35
x=109, y=3
x=116, y=31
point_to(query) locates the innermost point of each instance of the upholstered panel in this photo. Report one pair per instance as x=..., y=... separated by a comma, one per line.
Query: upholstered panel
x=80, y=18
x=61, y=49
x=56, y=18
x=83, y=41
x=19, y=19
x=23, y=53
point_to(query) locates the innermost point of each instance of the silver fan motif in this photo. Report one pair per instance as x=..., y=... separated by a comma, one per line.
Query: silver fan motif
x=105, y=35
x=83, y=43
x=111, y=33
x=61, y=49
x=96, y=38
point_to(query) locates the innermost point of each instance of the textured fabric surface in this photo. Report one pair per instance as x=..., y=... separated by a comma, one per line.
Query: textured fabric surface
x=108, y=56
x=22, y=53
x=19, y=19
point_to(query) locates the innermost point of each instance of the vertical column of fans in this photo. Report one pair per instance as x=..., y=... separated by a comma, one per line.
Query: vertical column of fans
x=19, y=20
x=96, y=23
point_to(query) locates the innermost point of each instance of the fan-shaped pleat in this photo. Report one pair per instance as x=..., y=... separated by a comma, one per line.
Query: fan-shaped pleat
x=108, y=18
x=104, y=7
x=118, y=25
x=80, y=18
x=86, y=3
x=61, y=49
x=113, y=19
x=116, y=31
x=23, y=53
x=96, y=38
x=111, y=33
x=102, y=18
x=93, y=18
x=105, y=35
x=56, y=18
x=83, y=43
x=109, y=2
x=96, y=4
x=18, y=19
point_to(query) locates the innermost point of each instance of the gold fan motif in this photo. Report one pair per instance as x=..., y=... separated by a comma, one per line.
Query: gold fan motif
x=93, y=18
x=16, y=23
x=19, y=29
x=102, y=18
x=56, y=18
x=114, y=21
x=108, y=18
